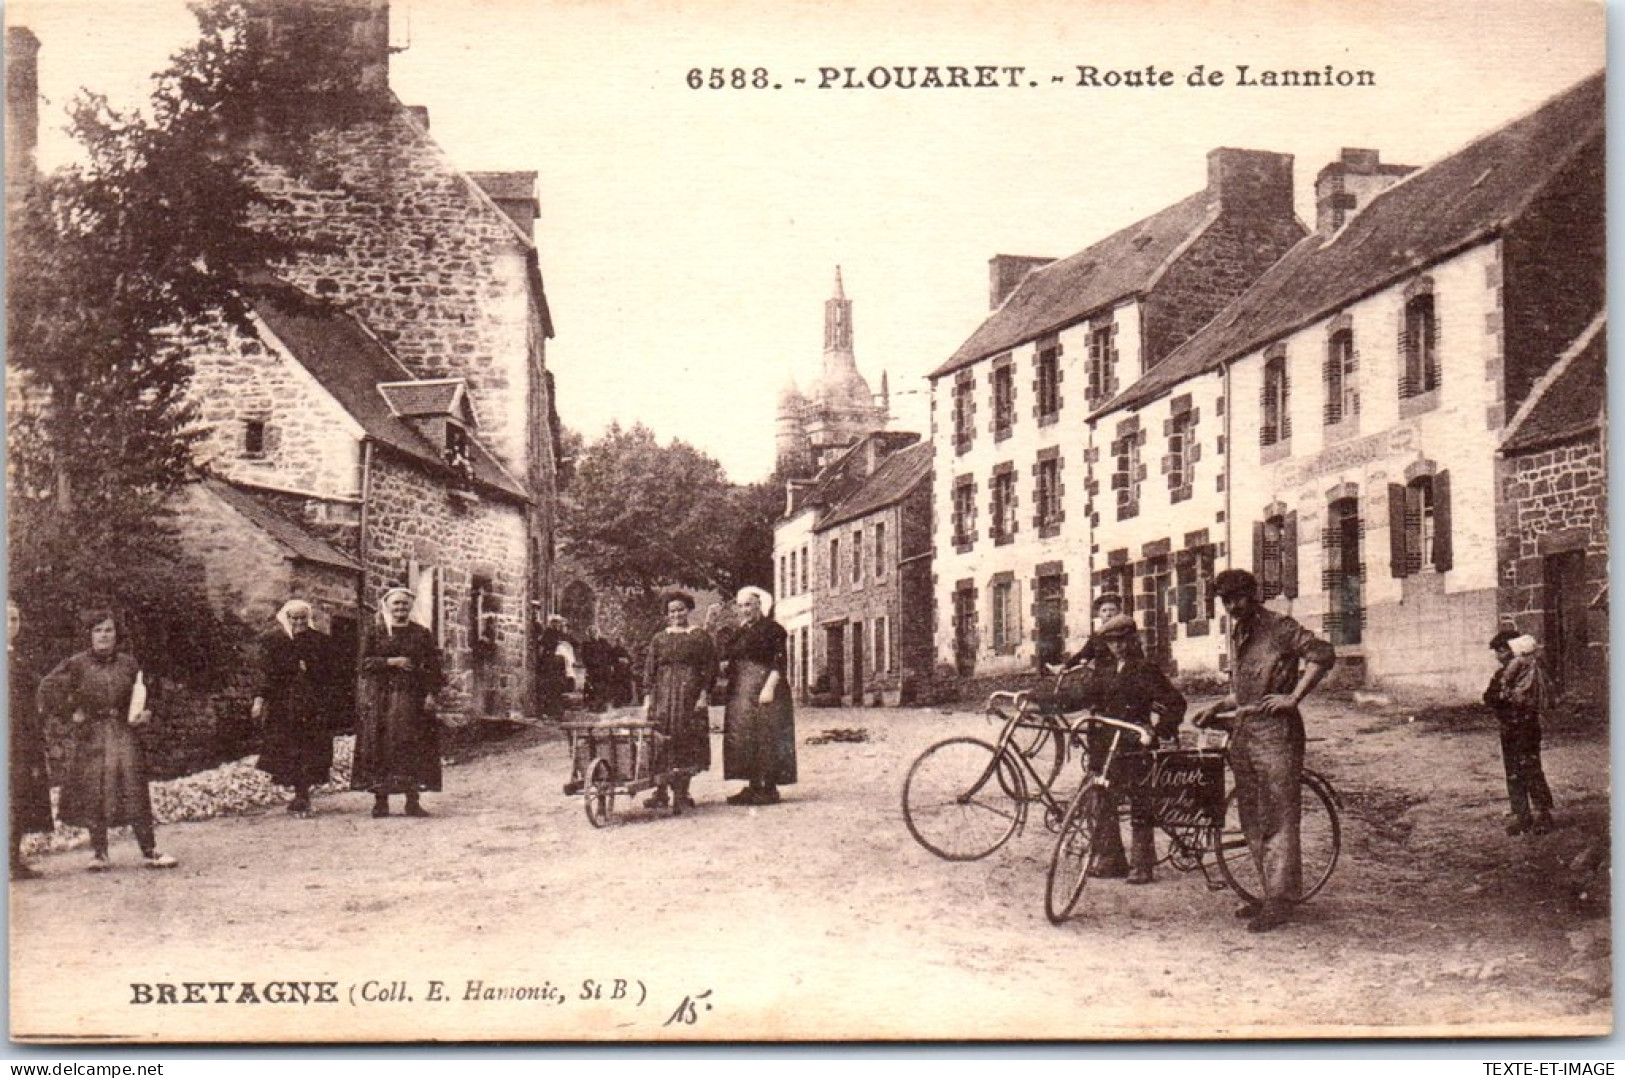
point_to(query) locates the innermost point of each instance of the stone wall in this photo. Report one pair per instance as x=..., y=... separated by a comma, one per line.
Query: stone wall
x=1214, y=270
x=430, y=264
x=445, y=279
x=858, y=604
x=310, y=442
x=413, y=518
x=1556, y=502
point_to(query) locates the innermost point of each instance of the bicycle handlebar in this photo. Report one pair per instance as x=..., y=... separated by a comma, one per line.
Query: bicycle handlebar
x=1144, y=733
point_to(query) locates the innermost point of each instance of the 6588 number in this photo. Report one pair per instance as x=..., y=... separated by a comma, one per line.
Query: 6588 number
x=734, y=78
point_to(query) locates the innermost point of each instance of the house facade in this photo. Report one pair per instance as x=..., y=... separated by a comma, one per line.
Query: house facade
x=1552, y=519
x=825, y=550
x=1360, y=390
x=389, y=397
x=1015, y=510
x=871, y=637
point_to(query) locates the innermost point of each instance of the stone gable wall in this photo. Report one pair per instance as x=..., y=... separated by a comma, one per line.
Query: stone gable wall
x=1563, y=489
x=1217, y=268
x=434, y=269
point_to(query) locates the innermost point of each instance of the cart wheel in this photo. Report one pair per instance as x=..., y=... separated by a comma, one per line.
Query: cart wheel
x=600, y=793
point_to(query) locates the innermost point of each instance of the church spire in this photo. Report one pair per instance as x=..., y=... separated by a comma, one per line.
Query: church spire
x=838, y=320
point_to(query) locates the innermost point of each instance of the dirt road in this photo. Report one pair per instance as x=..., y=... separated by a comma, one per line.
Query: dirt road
x=508, y=917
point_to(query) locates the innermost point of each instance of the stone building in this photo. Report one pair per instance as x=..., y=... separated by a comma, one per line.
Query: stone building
x=390, y=398
x=838, y=408
x=805, y=561
x=1338, y=424
x=1552, y=516
x=1014, y=512
x=871, y=641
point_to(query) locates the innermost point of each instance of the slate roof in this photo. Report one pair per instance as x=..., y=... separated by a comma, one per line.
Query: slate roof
x=896, y=477
x=1569, y=399
x=1464, y=199
x=300, y=544
x=350, y=363
x=1064, y=292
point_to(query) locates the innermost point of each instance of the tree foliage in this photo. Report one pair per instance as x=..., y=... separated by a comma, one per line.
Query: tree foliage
x=642, y=515
x=113, y=264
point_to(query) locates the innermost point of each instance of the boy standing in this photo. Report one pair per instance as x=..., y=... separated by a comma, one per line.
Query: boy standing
x=1518, y=693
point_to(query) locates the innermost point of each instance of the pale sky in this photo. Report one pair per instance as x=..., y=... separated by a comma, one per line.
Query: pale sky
x=689, y=237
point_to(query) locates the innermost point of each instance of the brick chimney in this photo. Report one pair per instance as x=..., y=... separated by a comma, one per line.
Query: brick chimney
x=1251, y=182
x=1005, y=272
x=348, y=40
x=22, y=112
x=1348, y=183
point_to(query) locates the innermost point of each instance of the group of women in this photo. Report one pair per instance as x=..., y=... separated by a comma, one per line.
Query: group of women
x=759, y=736
x=100, y=693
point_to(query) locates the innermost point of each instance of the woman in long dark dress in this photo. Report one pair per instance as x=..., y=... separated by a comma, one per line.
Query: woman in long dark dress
x=682, y=662
x=397, y=743
x=292, y=697
x=30, y=781
x=103, y=693
x=759, y=730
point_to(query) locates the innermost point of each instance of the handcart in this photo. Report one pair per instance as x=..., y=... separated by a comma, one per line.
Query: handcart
x=611, y=757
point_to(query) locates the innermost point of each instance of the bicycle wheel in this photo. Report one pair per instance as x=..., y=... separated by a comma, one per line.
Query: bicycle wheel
x=1320, y=842
x=1069, y=863
x=1042, y=740
x=962, y=800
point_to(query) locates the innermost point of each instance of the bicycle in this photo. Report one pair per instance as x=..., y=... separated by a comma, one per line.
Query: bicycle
x=964, y=798
x=1185, y=788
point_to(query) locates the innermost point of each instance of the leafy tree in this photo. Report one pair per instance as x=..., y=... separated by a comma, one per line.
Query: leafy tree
x=642, y=516
x=113, y=265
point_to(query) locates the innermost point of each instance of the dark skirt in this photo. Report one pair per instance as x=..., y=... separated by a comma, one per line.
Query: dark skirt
x=678, y=710
x=30, y=779
x=758, y=742
x=298, y=751
x=397, y=741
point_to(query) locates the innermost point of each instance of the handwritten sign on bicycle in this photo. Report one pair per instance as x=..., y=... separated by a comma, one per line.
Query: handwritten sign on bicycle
x=1188, y=787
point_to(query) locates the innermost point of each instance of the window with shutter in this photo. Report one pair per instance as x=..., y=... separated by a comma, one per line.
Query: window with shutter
x=1341, y=378
x=1275, y=403
x=1049, y=380
x=1419, y=344
x=1004, y=400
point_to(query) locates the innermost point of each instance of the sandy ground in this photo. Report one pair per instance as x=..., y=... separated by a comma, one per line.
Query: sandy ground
x=507, y=917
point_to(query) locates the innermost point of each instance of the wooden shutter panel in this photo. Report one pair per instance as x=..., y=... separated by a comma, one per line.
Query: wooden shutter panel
x=1289, y=555
x=1443, y=553
x=1331, y=378
x=1397, y=561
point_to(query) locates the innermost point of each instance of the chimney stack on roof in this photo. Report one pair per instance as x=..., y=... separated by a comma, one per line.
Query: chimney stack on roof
x=1349, y=183
x=1005, y=272
x=1253, y=182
